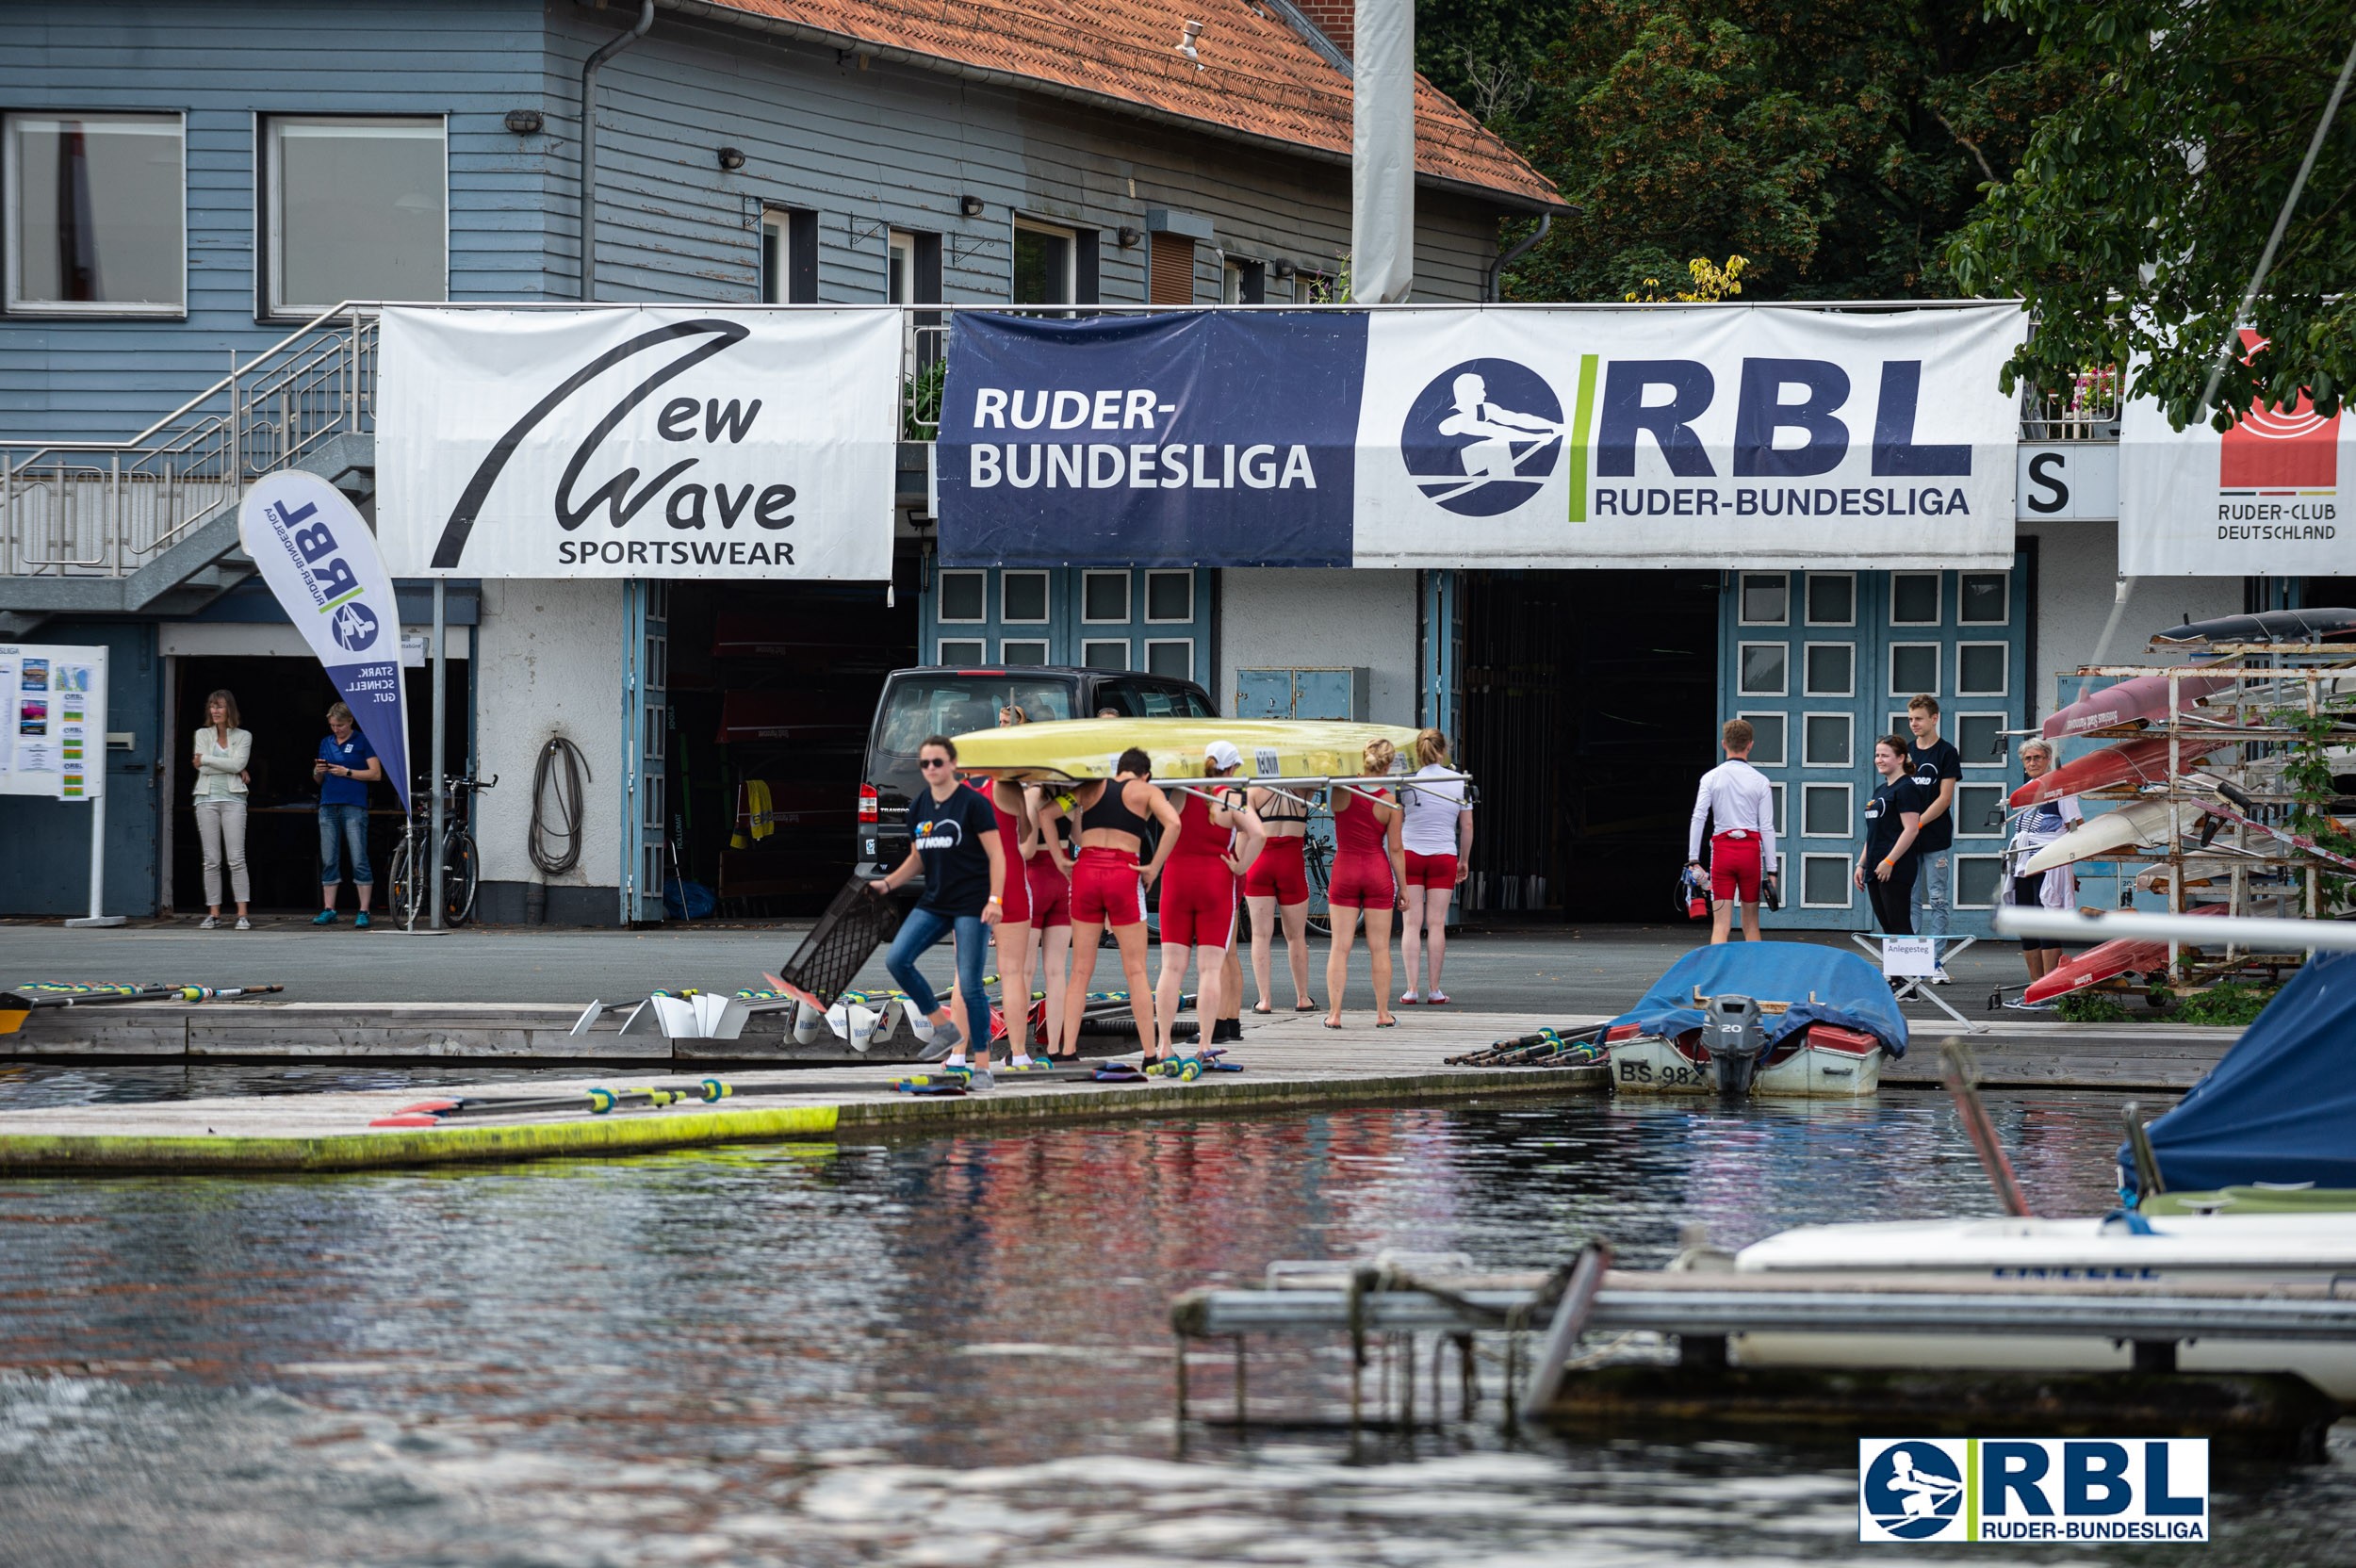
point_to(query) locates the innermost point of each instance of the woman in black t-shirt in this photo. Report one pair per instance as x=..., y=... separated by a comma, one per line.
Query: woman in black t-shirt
x=1893, y=819
x=953, y=842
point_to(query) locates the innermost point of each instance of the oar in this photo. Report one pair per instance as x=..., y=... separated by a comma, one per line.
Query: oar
x=17, y=1006
x=1962, y=1072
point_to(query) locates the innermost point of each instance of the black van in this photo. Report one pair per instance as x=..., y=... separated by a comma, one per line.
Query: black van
x=937, y=700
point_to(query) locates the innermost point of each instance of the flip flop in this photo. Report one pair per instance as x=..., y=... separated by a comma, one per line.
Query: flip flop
x=1264, y=1009
x=1386, y=1023
x=1304, y=1007
x=1331, y=1022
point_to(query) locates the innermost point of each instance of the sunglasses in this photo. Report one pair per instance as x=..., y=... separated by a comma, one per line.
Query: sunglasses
x=934, y=763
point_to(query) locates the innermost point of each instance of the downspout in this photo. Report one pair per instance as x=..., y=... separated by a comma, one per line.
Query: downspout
x=1497, y=268
x=611, y=47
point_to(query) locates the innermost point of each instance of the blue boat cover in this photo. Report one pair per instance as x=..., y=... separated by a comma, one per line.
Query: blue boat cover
x=2281, y=1105
x=1849, y=992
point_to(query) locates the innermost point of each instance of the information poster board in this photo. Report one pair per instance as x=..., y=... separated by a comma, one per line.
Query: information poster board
x=55, y=713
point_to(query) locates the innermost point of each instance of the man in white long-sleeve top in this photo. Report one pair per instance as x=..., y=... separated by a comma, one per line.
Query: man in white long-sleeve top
x=1742, y=843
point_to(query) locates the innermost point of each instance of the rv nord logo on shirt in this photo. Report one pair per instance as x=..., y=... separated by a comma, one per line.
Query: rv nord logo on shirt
x=2089, y=1490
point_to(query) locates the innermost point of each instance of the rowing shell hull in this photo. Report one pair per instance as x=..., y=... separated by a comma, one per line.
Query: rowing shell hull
x=1091, y=748
x=2140, y=822
x=2136, y=701
x=2143, y=762
x=1646, y=1064
x=2271, y=626
x=2128, y=955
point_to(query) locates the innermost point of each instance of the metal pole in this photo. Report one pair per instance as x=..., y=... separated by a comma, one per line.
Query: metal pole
x=441, y=686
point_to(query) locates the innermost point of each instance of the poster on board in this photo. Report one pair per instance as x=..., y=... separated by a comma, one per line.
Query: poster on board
x=55, y=697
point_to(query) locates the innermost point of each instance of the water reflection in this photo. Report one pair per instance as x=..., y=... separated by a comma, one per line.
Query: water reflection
x=940, y=1350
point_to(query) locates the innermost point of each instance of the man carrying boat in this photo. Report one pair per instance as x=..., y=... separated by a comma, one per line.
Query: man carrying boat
x=1739, y=799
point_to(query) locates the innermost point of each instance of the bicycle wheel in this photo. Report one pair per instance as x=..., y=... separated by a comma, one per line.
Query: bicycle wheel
x=1313, y=856
x=402, y=897
x=459, y=872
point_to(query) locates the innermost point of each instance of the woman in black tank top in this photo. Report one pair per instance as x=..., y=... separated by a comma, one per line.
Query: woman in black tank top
x=1104, y=821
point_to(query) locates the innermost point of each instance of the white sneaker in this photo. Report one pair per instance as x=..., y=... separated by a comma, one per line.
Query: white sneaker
x=244, y=924
x=1939, y=978
x=1407, y=999
x=208, y=923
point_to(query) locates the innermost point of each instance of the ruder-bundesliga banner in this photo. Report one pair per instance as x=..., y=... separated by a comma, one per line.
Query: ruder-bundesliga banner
x=2262, y=499
x=320, y=558
x=673, y=443
x=1746, y=437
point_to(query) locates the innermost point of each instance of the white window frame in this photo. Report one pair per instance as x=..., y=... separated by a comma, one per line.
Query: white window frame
x=271, y=251
x=2004, y=652
x=1128, y=599
x=1742, y=691
x=1008, y=657
x=941, y=598
x=1152, y=619
x=2005, y=598
x=1847, y=719
x=775, y=284
x=1956, y=720
x=11, y=228
x=1121, y=643
x=1071, y=238
x=1889, y=671
x=979, y=645
x=1848, y=810
x=1954, y=885
x=1808, y=691
x=1775, y=789
x=1848, y=889
x=1938, y=599
x=1742, y=616
x=1957, y=814
x=1807, y=616
x=1753, y=717
x=1153, y=642
x=1047, y=603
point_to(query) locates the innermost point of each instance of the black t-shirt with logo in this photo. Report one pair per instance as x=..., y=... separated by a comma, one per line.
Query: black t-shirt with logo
x=948, y=834
x=1885, y=820
x=1931, y=764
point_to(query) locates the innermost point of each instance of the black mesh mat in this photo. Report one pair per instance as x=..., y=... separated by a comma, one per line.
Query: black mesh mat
x=857, y=921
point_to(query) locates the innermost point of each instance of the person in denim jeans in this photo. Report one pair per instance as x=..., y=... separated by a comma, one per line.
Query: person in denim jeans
x=953, y=843
x=344, y=768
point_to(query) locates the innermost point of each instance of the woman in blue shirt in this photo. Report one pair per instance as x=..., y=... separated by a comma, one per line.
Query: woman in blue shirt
x=347, y=765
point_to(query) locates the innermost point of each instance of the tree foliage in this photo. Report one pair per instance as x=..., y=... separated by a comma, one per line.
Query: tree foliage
x=1837, y=143
x=2141, y=206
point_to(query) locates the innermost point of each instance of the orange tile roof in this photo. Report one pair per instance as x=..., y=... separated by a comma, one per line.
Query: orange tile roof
x=1259, y=79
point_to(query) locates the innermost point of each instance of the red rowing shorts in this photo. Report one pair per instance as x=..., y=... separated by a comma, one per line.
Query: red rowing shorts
x=1279, y=873
x=1431, y=871
x=1361, y=881
x=1051, y=892
x=1198, y=903
x=1105, y=890
x=1734, y=868
x=1014, y=898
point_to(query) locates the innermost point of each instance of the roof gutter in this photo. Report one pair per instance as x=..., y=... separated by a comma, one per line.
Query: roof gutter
x=589, y=70
x=727, y=16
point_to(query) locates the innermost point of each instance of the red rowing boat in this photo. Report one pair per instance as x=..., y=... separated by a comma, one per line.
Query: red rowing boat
x=2098, y=964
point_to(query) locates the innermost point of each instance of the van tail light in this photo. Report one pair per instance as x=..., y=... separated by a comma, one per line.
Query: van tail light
x=870, y=805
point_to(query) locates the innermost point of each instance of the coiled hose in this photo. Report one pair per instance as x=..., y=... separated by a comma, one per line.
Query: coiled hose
x=563, y=792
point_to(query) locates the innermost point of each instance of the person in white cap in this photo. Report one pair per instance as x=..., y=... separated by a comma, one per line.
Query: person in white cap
x=1215, y=842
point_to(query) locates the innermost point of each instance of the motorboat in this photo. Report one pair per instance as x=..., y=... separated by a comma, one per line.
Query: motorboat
x=1763, y=1018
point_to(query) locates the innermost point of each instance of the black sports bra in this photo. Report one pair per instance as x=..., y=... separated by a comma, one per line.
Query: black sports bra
x=1110, y=810
x=1284, y=805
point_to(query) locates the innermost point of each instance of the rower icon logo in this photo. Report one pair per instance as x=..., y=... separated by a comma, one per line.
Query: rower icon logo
x=1483, y=436
x=1912, y=1491
x=354, y=626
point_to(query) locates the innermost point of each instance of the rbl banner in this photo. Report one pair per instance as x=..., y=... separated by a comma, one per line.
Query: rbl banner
x=2075, y=1489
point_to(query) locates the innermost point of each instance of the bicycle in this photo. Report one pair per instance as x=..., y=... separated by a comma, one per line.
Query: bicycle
x=461, y=866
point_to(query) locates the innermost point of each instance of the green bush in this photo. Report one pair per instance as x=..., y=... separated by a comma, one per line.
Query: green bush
x=2238, y=1005
x=2090, y=1007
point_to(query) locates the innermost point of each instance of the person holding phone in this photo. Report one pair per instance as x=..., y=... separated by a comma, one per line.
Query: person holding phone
x=344, y=769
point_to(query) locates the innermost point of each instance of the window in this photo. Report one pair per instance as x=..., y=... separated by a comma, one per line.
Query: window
x=1172, y=657
x=1824, y=881
x=1766, y=598
x=1767, y=733
x=789, y=257
x=1824, y=811
x=1831, y=670
x=1776, y=789
x=1168, y=597
x=1043, y=259
x=1169, y=270
x=1316, y=288
x=1980, y=740
x=959, y=651
x=963, y=598
x=1977, y=879
x=1106, y=656
x=1913, y=669
x=1023, y=598
x=1244, y=283
x=1979, y=810
x=1104, y=599
x=900, y=268
x=1824, y=739
x=1012, y=652
x=1831, y=598
x=1762, y=669
x=96, y=214
x=358, y=209
x=1981, y=600
x=918, y=705
x=1914, y=598
x=1980, y=669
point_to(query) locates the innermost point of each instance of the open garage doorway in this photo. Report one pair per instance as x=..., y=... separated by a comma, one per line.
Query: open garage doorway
x=1589, y=718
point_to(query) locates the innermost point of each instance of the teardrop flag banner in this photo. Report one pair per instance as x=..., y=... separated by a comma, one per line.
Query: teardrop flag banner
x=315, y=552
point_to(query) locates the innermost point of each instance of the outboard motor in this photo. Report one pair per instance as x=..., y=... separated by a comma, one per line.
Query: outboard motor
x=1736, y=1040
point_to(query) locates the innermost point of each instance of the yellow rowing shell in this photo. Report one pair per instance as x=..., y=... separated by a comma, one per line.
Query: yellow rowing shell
x=1091, y=748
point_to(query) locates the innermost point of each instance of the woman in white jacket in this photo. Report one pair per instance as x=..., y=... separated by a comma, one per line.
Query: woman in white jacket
x=2032, y=828
x=223, y=751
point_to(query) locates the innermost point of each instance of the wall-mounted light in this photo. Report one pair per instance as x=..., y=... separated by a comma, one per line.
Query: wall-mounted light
x=524, y=122
x=1282, y=268
x=969, y=205
x=1129, y=238
x=732, y=159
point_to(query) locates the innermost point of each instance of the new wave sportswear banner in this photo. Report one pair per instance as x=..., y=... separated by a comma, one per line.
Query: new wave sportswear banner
x=1514, y=438
x=320, y=558
x=672, y=442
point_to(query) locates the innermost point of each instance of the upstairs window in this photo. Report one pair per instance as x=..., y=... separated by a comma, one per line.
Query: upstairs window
x=789, y=257
x=96, y=214
x=1044, y=269
x=356, y=209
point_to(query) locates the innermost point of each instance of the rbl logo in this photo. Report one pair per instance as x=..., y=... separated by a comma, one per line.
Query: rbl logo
x=2273, y=447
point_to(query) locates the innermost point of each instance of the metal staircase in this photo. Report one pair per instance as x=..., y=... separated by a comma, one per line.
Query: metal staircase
x=148, y=526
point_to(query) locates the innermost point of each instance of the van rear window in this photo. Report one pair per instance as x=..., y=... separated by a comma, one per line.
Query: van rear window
x=953, y=705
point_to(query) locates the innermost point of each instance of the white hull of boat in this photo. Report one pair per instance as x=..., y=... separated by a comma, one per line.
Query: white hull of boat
x=1647, y=1064
x=2329, y=1367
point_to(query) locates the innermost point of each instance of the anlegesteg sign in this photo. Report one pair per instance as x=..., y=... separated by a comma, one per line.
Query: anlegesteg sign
x=672, y=442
